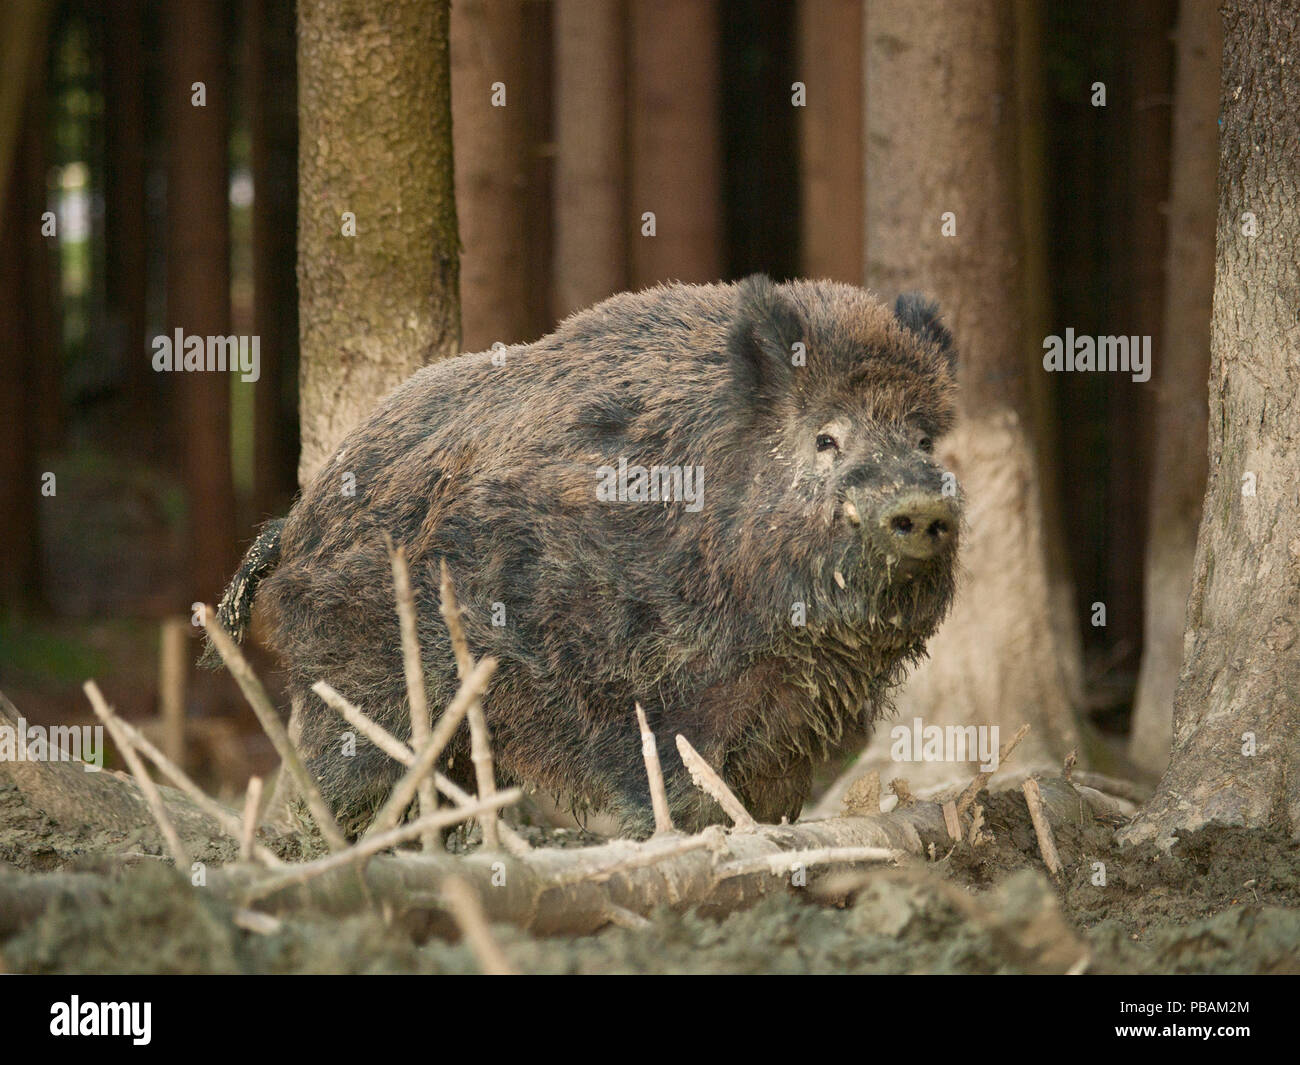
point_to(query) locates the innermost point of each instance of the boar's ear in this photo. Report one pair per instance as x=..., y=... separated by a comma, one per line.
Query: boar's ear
x=764, y=331
x=921, y=316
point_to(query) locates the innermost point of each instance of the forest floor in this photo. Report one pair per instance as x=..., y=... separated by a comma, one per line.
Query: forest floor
x=1222, y=901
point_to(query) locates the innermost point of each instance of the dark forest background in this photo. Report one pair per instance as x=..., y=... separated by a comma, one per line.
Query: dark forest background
x=142, y=460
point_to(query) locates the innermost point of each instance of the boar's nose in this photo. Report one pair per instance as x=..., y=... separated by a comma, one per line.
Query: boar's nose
x=917, y=525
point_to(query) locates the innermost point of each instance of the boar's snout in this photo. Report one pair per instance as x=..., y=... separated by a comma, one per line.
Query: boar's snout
x=917, y=525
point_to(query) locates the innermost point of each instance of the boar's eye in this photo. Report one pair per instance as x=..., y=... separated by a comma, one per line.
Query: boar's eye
x=925, y=444
x=826, y=442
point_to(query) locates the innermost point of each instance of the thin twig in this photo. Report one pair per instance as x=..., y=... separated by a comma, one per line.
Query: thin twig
x=400, y=752
x=480, y=740
x=467, y=912
x=252, y=800
x=368, y=846
x=230, y=824
x=982, y=778
x=375, y=733
x=783, y=861
x=414, y=668
x=400, y=797
x=272, y=726
x=658, y=794
x=1042, y=827
x=708, y=781
x=147, y=787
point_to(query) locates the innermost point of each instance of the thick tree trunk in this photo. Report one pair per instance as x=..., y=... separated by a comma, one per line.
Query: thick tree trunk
x=125, y=241
x=198, y=278
x=830, y=139
x=492, y=169
x=675, y=148
x=374, y=106
x=273, y=127
x=22, y=267
x=1181, y=433
x=590, y=209
x=947, y=68
x=1236, y=745
x=1136, y=227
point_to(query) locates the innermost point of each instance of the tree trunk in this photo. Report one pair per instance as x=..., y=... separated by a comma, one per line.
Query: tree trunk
x=947, y=67
x=830, y=139
x=1181, y=432
x=1139, y=185
x=273, y=128
x=198, y=279
x=675, y=148
x=492, y=142
x=1236, y=745
x=374, y=107
x=125, y=240
x=23, y=267
x=590, y=207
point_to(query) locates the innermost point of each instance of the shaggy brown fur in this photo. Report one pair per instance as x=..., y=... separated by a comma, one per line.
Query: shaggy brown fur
x=765, y=626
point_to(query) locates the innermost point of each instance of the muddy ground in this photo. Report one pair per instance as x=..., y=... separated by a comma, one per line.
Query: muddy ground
x=1223, y=901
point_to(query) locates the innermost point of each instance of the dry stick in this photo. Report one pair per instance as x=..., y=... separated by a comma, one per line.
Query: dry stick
x=400, y=797
x=467, y=912
x=375, y=733
x=415, y=693
x=480, y=741
x=512, y=840
x=707, y=780
x=271, y=725
x=950, y=820
x=781, y=862
x=229, y=823
x=1042, y=827
x=658, y=795
x=641, y=858
x=973, y=788
x=371, y=845
x=147, y=786
x=251, y=802
x=399, y=751
x=172, y=666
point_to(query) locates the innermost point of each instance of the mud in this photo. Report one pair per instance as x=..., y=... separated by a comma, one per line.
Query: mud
x=1223, y=900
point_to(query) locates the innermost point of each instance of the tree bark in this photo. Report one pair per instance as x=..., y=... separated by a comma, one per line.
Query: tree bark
x=198, y=278
x=1181, y=430
x=675, y=147
x=590, y=180
x=374, y=107
x=492, y=170
x=946, y=68
x=830, y=139
x=1236, y=748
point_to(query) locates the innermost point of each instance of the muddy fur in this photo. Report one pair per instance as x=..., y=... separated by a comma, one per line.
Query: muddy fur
x=601, y=604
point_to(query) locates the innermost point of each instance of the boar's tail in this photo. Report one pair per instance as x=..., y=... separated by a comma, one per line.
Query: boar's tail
x=236, y=606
